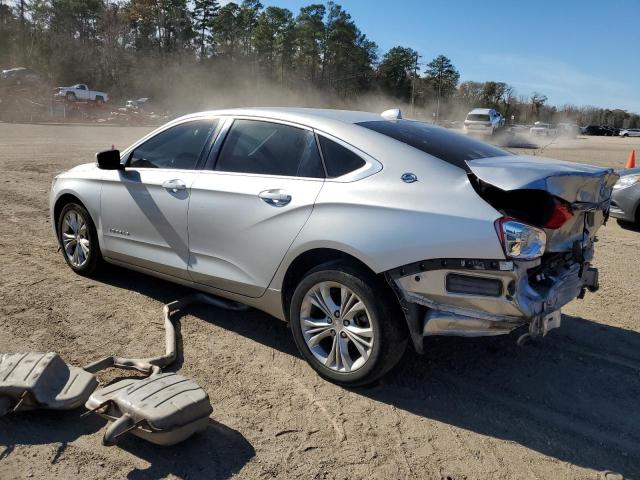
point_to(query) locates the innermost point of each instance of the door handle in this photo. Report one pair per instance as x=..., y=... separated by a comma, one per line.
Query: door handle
x=275, y=198
x=174, y=185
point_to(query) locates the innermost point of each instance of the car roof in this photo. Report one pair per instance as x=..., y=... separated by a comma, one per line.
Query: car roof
x=481, y=110
x=312, y=117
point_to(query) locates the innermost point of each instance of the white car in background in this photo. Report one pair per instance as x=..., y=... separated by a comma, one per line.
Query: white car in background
x=81, y=92
x=541, y=129
x=630, y=132
x=483, y=121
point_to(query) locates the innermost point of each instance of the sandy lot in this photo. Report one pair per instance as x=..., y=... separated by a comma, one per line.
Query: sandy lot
x=565, y=407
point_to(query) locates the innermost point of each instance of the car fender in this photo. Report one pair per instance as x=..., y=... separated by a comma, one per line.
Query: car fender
x=83, y=182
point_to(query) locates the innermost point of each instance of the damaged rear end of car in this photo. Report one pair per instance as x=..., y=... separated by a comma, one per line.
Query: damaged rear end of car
x=550, y=213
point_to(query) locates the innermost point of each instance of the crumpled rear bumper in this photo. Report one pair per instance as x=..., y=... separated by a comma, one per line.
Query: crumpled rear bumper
x=517, y=295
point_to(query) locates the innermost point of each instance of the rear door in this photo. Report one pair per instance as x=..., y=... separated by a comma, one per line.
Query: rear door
x=144, y=208
x=251, y=202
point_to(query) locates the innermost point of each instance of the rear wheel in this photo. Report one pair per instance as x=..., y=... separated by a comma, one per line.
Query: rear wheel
x=78, y=238
x=347, y=325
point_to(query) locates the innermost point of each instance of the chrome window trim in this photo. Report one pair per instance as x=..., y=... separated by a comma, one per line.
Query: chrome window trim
x=371, y=166
x=263, y=175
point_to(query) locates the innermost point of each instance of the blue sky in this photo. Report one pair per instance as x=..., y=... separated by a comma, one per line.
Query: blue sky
x=581, y=52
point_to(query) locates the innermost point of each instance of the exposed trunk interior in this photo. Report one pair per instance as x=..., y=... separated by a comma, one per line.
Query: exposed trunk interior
x=534, y=207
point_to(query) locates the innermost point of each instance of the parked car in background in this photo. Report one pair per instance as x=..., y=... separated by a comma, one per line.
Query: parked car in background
x=541, y=129
x=625, y=201
x=630, y=132
x=361, y=231
x=81, y=92
x=483, y=121
x=597, y=130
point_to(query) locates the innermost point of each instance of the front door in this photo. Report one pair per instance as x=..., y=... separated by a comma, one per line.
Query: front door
x=246, y=212
x=144, y=208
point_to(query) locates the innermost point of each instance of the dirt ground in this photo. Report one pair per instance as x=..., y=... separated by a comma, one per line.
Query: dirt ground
x=564, y=407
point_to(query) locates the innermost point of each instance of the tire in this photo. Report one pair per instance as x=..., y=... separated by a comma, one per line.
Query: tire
x=82, y=252
x=381, y=320
x=99, y=100
x=71, y=97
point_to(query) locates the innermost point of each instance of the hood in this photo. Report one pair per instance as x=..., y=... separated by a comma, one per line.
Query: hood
x=572, y=182
x=79, y=170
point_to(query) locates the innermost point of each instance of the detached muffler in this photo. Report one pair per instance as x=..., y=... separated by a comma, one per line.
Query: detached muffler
x=164, y=409
x=42, y=380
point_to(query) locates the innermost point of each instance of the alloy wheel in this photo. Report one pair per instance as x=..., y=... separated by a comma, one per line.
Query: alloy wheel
x=336, y=327
x=75, y=238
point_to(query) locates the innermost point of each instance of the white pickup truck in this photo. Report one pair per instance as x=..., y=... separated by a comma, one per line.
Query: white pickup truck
x=81, y=92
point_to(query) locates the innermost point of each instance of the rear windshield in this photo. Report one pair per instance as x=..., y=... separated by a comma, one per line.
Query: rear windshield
x=452, y=147
x=478, y=117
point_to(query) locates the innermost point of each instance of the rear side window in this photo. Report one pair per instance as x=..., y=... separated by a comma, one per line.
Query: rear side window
x=178, y=147
x=254, y=146
x=337, y=159
x=451, y=147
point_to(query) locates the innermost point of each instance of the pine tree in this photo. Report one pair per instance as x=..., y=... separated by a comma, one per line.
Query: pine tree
x=204, y=13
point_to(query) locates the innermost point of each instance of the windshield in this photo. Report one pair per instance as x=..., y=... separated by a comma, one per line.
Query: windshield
x=441, y=143
x=478, y=117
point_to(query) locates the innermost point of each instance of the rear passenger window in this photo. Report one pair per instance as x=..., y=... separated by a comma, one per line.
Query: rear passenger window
x=337, y=159
x=178, y=147
x=254, y=146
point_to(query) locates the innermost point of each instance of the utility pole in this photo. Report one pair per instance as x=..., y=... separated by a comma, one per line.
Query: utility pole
x=413, y=87
x=22, y=42
x=439, y=92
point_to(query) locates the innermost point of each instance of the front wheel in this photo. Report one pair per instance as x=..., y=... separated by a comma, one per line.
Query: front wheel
x=79, y=240
x=347, y=325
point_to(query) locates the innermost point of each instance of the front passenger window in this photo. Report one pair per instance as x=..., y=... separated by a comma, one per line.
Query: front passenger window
x=178, y=147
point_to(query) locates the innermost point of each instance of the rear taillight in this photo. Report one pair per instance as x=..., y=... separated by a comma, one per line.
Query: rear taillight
x=561, y=213
x=519, y=240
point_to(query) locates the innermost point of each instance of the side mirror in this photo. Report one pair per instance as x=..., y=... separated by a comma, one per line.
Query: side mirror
x=109, y=160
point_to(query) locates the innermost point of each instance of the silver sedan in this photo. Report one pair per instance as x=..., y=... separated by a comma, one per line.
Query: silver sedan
x=365, y=232
x=625, y=203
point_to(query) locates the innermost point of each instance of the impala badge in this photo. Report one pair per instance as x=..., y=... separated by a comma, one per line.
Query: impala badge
x=409, y=177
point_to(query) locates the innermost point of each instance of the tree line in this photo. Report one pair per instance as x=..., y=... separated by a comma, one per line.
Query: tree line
x=187, y=50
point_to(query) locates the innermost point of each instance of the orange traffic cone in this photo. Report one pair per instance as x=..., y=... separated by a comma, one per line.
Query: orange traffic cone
x=631, y=163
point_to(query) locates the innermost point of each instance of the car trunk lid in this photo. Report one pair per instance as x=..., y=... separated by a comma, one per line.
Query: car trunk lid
x=526, y=187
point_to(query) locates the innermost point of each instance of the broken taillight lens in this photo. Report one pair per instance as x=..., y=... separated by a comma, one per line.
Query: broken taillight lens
x=561, y=213
x=519, y=240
